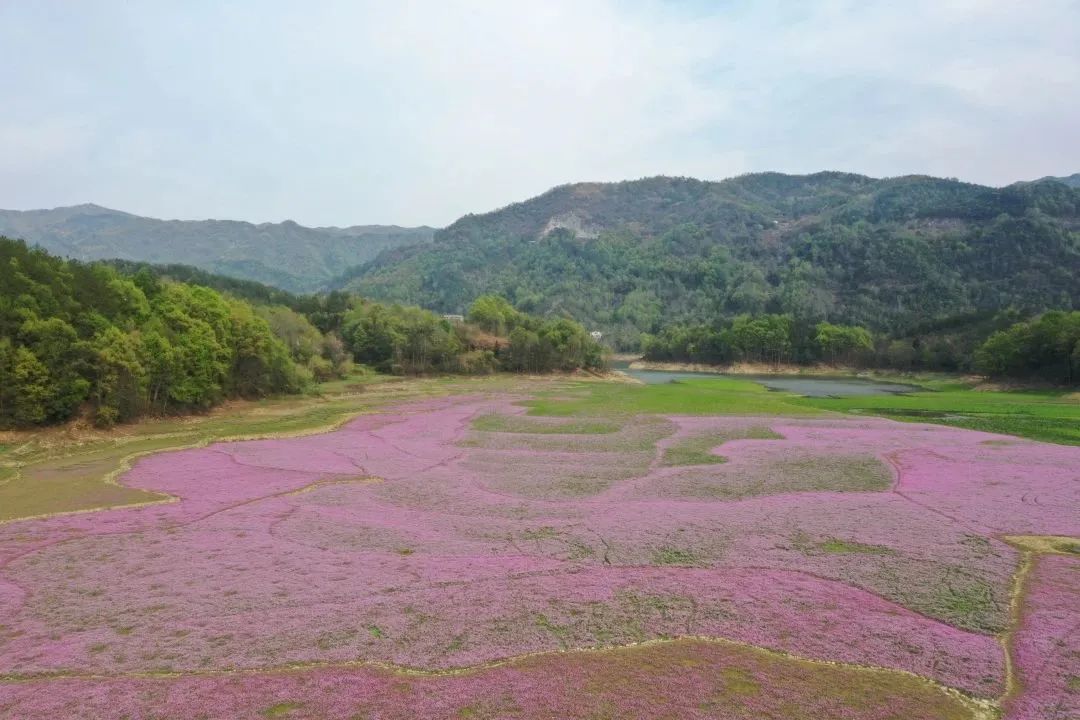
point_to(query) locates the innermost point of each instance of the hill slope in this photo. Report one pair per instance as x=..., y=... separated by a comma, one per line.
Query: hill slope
x=633, y=256
x=287, y=255
x=1072, y=181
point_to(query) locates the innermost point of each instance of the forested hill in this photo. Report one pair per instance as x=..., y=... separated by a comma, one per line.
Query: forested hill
x=1072, y=181
x=287, y=255
x=634, y=256
x=114, y=341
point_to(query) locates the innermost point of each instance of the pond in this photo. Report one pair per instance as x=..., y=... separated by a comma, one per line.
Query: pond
x=808, y=386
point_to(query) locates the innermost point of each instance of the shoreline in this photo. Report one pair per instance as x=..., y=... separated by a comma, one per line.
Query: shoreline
x=750, y=368
x=823, y=371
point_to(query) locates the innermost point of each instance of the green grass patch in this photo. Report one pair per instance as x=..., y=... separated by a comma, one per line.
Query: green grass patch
x=818, y=473
x=281, y=709
x=560, y=632
x=712, y=396
x=1050, y=416
x=693, y=451
x=669, y=555
x=1047, y=415
x=967, y=603
x=841, y=473
x=533, y=425
x=697, y=450
x=545, y=533
x=635, y=435
x=836, y=546
x=738, y=681
x=7, y=473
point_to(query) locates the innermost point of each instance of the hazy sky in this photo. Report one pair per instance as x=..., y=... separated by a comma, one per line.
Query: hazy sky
x=409, y=113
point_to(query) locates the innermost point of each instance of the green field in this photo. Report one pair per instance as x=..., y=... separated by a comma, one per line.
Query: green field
x=1047, y=415
x=1050, y=416
x=697, y=450
x=712, y=396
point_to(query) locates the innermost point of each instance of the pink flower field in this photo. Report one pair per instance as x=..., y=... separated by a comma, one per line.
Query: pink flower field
x=1048, y=643
x=412, y=565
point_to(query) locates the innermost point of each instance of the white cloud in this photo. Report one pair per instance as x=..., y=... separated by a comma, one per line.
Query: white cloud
x=421, y=111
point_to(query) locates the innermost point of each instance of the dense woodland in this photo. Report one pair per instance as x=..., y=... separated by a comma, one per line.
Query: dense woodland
x=75, y=337
x=638, y=257
x=93, y=340
x=769, y=339
x=1045, y=348
x=406, y=339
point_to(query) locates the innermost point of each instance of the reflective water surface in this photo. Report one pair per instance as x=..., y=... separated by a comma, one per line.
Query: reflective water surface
x=799, y=384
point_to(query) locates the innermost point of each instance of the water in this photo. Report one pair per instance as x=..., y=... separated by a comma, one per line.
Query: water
x=808, y=386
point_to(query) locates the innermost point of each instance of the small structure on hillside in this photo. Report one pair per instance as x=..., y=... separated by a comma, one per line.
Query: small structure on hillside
x=596, y=335
x=454, y=318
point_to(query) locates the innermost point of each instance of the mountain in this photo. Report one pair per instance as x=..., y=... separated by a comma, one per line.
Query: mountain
x=1072, y=181
x=287, y=255
x=632, y=257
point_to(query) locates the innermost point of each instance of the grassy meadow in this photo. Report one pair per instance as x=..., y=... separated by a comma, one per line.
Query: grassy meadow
x=1046, y=415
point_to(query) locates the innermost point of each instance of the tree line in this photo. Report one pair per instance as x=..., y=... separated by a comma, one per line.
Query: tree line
x=1046, y=348
x=771, y=339
x=92, y=340
x=75, y=336
x=404, y=339
x=1043, y=348
x=534, y=344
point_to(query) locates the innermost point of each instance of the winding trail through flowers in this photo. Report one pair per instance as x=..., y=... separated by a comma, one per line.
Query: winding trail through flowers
x=299, y=577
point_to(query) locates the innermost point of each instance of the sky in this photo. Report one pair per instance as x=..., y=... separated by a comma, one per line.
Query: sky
x=342, y=113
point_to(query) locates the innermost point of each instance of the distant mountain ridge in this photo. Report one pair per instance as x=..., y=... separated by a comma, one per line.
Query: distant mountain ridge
x=286, y=254
x=1072, y=181
x=631, y=257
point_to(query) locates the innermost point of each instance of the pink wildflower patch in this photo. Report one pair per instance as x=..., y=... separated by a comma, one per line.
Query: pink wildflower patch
x=1047, y=643
x=413, y=539
x=685, y=679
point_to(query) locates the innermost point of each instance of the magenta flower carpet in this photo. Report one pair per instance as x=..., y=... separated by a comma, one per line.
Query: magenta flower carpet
x=409, y=565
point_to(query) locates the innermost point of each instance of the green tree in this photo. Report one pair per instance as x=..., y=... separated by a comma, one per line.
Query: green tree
x=129, y=345
x=27, y=390
x=260, y=361
x=56, y=345
x=526, y=353
x=762, y=339
x=119, y=393
x=300, y=336
x=842, y=343
x=1043, y=348
x=493, y=314
x=160, y=363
